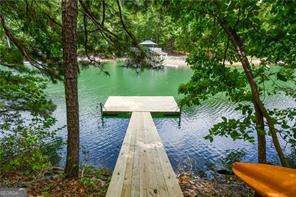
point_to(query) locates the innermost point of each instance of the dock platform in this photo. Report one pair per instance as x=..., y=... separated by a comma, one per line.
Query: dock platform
x=143, y=167
x=154, y=104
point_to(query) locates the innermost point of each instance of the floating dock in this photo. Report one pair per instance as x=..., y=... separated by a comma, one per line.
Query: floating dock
x=142, y=167
x=154, y=104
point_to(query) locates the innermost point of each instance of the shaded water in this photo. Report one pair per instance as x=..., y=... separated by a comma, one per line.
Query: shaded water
x=185, y=145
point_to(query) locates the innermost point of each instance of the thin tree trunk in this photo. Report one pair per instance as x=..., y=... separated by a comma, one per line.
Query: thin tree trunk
x=238, y=44
x=260, y=135
x=69, y=23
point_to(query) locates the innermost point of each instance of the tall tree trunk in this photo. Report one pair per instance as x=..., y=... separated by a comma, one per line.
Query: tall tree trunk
x=238, y=44
x=69, y=23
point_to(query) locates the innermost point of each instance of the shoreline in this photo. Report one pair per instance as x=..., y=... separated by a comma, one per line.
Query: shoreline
x=220, y=185
x=95, y=181
x=170, y=61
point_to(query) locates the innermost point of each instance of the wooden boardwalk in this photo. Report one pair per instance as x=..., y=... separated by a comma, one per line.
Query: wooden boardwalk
x=142, y=167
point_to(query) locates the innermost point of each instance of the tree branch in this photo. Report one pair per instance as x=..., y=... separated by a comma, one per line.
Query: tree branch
x=104, y=12
x=110, y=35
x=25, y=52
x=225, y=52
x=133, y=38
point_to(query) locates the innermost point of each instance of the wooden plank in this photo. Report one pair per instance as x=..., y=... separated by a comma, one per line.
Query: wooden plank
x=119, y=171
x=157, y=184
x=143, y=168
x=161, y=104
x=164, y=167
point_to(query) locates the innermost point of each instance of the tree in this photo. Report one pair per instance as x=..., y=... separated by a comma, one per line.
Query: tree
x=69, y=25
x=28, y=143
x=232, y=31
x=35, y=31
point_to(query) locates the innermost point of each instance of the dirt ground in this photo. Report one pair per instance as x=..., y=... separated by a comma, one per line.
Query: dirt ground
x=221, y=185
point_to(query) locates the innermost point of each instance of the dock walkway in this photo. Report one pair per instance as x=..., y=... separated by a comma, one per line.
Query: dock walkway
x=142, y=167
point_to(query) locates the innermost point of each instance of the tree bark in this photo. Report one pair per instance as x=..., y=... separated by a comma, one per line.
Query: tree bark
x=238, y=44
x=260, y=135
x=69, y=23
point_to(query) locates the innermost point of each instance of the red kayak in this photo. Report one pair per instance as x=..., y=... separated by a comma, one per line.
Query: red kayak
x=267, y=180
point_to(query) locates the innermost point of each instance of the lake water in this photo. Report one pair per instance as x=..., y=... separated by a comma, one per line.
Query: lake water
x=185, y=145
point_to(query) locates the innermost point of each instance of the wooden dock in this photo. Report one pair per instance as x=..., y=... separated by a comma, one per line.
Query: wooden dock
x=142, y=167
x=154, y=104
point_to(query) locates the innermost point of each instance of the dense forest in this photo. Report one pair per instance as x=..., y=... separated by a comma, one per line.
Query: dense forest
x=42, y=42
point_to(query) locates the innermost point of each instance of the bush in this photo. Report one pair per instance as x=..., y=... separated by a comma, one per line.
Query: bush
x=27, y=144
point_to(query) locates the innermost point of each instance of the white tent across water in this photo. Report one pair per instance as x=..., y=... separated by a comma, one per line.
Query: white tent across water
x=148, y=43
x=152, y=47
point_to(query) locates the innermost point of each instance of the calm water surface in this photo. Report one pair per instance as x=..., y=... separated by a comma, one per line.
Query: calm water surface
x=185, y=145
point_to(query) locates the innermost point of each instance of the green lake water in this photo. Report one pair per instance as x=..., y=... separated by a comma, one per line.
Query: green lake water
x=185, y=145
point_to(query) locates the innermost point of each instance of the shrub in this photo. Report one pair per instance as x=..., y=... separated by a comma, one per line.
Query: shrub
x=27, y=143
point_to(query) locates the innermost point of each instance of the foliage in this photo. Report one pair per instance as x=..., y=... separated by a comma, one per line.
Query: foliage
x=52, y=182
x=267, y=30
x=140, y=61
x=285, y=119
x=233, y=156
x=31, y=30
x=91, y=176
x=32, y=33
x=149, y=22
x=27, y=143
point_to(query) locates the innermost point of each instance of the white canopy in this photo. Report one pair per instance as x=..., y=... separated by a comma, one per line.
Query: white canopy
x=148, y=42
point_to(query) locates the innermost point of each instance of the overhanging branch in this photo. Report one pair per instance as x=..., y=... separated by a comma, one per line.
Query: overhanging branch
x=25, y=52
